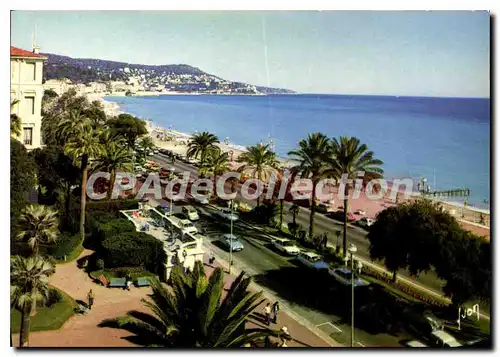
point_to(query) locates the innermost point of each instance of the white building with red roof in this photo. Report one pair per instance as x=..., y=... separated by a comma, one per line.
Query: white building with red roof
x=26, y=72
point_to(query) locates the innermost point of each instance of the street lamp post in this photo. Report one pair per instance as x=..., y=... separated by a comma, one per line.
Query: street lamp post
x=231, y=238
x=172, y=169
x=352, y=250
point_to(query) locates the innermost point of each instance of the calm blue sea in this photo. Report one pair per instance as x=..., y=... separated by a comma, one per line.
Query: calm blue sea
x=446, y=140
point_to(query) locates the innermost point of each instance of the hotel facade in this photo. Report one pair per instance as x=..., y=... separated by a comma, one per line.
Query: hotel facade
x=26, y=72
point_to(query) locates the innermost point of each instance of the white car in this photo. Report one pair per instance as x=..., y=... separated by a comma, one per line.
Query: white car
x=191, y=213
x=360, y=212
x=201, y=199
x=155, y=151
x=312, y=260
x=343, y=276
x=187, y=227
x=365, y=222
x=286, y=246
x=227, y=214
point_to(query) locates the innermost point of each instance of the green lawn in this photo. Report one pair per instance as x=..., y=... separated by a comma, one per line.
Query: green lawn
x=72, y=256
x=46, y=318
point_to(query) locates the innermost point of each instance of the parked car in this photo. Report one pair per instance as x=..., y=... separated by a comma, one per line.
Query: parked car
x=339, y=216
x=232, y=242
x=286, y=246
x=156, y=151
x=443, y=339
x=164, y=208
x=227, y=214
x=139, y=168
x=343, y=276
x=191, y=213
x=360, y=212
x=312, y=260
x=187, y=227
x=201, y=199
x=365, y=222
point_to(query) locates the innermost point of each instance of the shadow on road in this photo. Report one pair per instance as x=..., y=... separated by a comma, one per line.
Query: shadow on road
x=376, y=312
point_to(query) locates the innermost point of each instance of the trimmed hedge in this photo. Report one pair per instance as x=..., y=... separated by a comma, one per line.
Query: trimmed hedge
x=103, y=224
x=133, y=249
x=112, y=205
x=64, y=246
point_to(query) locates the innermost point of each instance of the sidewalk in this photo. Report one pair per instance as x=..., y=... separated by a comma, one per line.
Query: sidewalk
x=301, y=336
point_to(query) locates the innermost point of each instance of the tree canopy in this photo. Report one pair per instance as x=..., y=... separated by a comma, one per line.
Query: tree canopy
x=420, y=236
x=129, y=127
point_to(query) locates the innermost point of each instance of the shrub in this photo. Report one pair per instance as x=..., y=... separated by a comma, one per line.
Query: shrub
x=105, y=224
x=112, y=205
x=99, y=264
x=54, y=296
x=65, y=244
x=133, y=249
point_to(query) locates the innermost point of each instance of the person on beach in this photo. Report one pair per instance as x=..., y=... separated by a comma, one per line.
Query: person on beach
x=276, y=309
x=267, y=313
x=90, y=298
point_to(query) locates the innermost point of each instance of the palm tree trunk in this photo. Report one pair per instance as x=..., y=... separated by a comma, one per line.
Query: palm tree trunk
x=281, y=214
x=394, y=276
x=83, y=202
x=111, y=183
x=68, y=200
x=346, y=204
x=215, y=185
x=25, y=327
x=33, y=303
x=313, y=210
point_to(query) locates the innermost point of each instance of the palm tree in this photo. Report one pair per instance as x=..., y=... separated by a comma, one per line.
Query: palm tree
x=146, y=145
x=116, y=157
x=15, y=121
x=259, y=162
x=82, y=144
x=348, y=157
x=29, y=283
x=216, y=163
x=311, y=157
x=294, y=210
x=193, y=313
x=37, y=225
x=200, y=145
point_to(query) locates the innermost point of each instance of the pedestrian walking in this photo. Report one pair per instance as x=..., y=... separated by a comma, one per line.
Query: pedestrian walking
x=90, y=298
x=285, y=336
x=267, y=313
x=276, y=309
x=211, y=260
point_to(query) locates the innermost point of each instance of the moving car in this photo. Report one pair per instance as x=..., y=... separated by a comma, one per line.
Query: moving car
x=187, y=227
x=227, y=214
x=339, y=216
x=164, y=208
x=360, y=212
x=191, y=213
x=312, y=260
x=365, y=222
x=444, y=339
x=232, y=242
x=155, y=151
x=286, y=246
x=343, y=276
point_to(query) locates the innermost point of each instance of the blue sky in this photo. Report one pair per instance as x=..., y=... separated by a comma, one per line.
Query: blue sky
x=341, y=52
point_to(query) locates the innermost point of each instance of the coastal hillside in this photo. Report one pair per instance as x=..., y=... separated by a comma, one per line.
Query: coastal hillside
x=171, y=77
